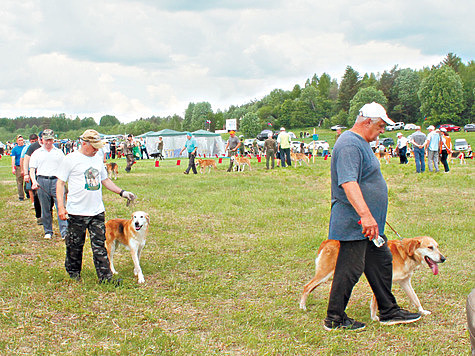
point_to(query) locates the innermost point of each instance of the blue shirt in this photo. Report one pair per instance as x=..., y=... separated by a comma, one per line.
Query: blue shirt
x=434, y=139
x=16, y=152
x=190, y=145
x=354, y=161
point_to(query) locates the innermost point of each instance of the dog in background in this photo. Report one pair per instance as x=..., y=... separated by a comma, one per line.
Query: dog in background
x=461, y=157
x=130, y=233
x=299, y=157
x=408, y=255
x=112, y=170
x=241, y=162
x=385, y=154
x=203, y=163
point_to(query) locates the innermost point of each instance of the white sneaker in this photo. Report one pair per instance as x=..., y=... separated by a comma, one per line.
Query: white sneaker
x=48, y=236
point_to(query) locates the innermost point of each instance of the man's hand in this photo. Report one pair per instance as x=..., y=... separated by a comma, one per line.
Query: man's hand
x=369, y=227
x=62, y=213
x=34, y=185
x=129, y=196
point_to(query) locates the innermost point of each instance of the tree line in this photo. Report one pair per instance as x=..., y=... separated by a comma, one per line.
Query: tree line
x=441, y=94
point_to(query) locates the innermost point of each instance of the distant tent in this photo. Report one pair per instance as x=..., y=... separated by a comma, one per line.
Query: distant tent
x=209, y=143
x=173, y=142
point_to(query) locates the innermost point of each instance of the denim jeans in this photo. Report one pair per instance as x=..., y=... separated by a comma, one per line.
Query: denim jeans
x=285, y=156
x=354, y=258
x=433, y=160
x=420, y=159
x=45, y=193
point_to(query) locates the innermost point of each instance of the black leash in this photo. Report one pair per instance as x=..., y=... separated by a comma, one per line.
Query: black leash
x=400, y=237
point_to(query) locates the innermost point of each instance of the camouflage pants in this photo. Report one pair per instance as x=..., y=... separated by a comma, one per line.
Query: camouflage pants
x=130, y=161
x=75, y=238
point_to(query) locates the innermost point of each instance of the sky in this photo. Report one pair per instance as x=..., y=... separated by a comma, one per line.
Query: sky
x=136, y=59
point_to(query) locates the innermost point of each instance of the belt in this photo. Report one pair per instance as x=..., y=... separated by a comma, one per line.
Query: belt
x=47, y=177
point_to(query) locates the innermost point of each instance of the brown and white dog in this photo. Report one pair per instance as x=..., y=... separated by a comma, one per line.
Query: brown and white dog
x=112, y=170
x=384, y=155
x=130, y=233
x=408, y=255
x=240, y=163
x=299, y=157
x=203, y=163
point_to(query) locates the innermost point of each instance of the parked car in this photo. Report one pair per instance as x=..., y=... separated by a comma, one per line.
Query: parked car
x=397, y=126
x=450, y=127
x=248, y=142
x=461, y=145
x=387, y=141
x=336, y=127
x=317, y=144
x=469, y=127
x=264, y=135
x=295, y=145
x=410, y=127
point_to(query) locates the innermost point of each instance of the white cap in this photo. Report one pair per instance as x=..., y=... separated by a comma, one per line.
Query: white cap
x=282, y=129
x=375, y=110
x=431, y=127
x=399, y=134
x=443, y=129
x=418, y=127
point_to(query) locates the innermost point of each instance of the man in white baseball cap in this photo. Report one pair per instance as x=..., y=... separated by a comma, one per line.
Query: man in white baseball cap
x=433, y=143
x=375, y=110
x=359, y=197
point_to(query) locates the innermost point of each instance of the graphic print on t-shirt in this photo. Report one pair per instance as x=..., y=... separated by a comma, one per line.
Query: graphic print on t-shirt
x=92, y=179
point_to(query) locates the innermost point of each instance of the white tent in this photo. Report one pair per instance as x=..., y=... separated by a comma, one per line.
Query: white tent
x=209, y=143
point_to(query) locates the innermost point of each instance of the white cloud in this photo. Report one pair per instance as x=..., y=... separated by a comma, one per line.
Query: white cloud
x=135, y=59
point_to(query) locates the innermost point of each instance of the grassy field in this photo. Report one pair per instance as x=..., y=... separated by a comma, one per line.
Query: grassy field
x=225, y=262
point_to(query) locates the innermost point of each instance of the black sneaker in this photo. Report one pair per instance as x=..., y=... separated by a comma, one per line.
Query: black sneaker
x=345, y=324
x=400, y=316
x=75, y=277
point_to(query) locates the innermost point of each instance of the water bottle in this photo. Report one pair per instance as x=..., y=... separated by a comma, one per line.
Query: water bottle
x=379, y=241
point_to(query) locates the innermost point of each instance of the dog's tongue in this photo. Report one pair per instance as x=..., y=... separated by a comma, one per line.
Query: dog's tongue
x=433, y=266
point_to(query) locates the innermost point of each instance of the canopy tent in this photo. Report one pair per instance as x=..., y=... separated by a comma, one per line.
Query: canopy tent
x=209, y=143
x=173, y=141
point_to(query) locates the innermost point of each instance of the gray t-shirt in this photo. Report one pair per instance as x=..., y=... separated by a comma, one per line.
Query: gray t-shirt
x=233, y=142
x=419, y=137
x=354, y=161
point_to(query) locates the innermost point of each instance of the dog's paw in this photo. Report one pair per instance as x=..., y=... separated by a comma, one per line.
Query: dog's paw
x=375, y=318
x=303, y=306
x=141, y=279
x=424, y=312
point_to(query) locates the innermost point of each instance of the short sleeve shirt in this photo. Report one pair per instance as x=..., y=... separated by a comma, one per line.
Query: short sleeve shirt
x=16, y=152
x=434, y=139
x=190, y=145
x=84, y=176
x=233, y=142
x=354, y=161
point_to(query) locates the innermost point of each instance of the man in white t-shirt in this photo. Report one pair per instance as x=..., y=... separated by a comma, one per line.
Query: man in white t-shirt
x=44, y=164
x=402, y=148
x=86, y=175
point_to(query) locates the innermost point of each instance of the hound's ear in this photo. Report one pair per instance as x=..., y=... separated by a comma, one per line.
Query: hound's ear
x=412, y=246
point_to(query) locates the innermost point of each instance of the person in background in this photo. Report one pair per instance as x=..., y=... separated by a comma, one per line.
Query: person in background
x=44, y=165
x=26, y=177
x=445, y=148
x=191, y=147
x=418, y=140
x=270, y=147
x=160, y=147
x=402, y=148
x=113, y=148
x=17, y=169
x=325, y=148
x=283, y=145
x=433, y=144
x=232, y=147
x=129, y=152
x=143, y=149
x=359, y=202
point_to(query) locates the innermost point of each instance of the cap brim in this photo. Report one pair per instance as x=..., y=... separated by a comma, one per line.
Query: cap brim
x=97, y=145
x=388, y=120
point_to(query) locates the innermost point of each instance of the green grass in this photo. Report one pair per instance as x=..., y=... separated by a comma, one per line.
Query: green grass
x=225, y=263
